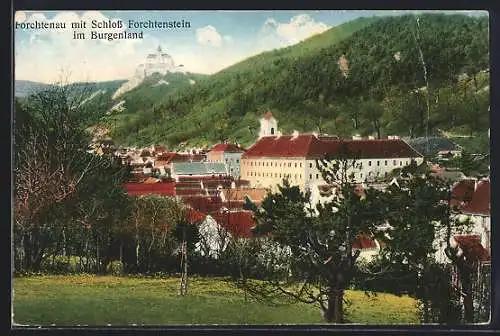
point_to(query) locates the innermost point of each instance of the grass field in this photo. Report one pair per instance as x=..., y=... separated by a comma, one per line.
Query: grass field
x=92, y=300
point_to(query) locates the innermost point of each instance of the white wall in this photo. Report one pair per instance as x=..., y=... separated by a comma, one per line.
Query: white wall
x=232, y=161
x=213, y=238
x=481, y=226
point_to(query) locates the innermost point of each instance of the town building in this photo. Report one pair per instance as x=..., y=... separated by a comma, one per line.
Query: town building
x=198, y=169
x=470, y=200
x=227, y=153
x=276, y=157
x=268, y=125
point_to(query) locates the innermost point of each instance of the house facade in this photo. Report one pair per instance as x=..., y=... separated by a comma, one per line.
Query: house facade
x=273, y=158
x=471, y=202
x=229, y=154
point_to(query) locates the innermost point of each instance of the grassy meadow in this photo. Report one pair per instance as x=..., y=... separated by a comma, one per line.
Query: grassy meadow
x=102, y=300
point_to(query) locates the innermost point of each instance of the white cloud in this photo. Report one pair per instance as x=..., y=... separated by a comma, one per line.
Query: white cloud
x=209, y=36
x=51, y=55
x=299, y=28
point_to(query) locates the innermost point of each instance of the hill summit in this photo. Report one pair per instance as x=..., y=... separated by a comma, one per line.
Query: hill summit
x=157, y=62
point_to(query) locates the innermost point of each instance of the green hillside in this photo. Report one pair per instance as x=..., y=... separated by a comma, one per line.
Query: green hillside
x=306, y=90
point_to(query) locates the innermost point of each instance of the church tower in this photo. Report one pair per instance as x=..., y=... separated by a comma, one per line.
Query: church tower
x=268, y=125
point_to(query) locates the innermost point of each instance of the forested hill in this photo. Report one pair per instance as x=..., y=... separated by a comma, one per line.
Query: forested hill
x=368, y=81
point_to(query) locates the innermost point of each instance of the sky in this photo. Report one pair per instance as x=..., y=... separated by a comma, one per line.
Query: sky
x=214, y=40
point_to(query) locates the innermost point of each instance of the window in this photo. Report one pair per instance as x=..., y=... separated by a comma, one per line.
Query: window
x=280, y=164
x=310, y=165
x=289, y=164
x=370, y=163
x=310, y=176
x=300, y=176
x=317, y=176
x=385, y=174
x=301, y=165
x=360, y=175
x=378, y=163
x=295, y=164
x=386, y=162
x=275, y=174
x=394, y=162
x=295, y=176
x=280, y=175
x=237, y=160
x=400, y=163
x=267, y=164
x=272, y=130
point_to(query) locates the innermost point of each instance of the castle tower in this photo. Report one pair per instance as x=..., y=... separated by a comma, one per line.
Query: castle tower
x=268, y=125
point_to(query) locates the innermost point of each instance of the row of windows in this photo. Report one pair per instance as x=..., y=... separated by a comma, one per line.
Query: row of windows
x=394, y=163
x=296, y=165
x=227, y=160
x=272, y=164
x=276, y=175
x=317, y=176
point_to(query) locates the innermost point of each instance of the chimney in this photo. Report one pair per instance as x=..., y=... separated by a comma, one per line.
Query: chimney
x=295, y=134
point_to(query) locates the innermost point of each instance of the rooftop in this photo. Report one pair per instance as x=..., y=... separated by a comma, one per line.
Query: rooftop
x=310, y=146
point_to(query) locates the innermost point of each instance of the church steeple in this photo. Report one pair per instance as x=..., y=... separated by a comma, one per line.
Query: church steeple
x=268, y=125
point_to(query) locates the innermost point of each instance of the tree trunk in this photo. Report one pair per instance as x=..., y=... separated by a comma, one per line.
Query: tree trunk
x=467, y=290
x=121, y=250
x=137, y=247
x=335, y=309
x=97, y=256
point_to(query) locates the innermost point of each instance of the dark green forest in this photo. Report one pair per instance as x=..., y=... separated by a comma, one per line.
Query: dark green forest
x=363, y=77
x=380, y=91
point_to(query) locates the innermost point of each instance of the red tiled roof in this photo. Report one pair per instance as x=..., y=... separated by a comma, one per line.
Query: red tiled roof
x=471, y=245
x=160, y=149
x=228, y=148
x=238, y=223
x=205, y=179
x=309, y=146
x=139, y=189
x=268, y=115
x=469, y=199
x=145, y=153
x=186, y=192
x=194, y=216
x=172, y=157
x=205, y=204
x=480, y=203
x=257, y=195
x=363, y=242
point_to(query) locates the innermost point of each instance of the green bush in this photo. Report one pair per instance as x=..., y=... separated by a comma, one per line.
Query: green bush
x=115, y=268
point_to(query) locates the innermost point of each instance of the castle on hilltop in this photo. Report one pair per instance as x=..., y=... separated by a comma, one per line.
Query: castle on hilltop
x=159, y=62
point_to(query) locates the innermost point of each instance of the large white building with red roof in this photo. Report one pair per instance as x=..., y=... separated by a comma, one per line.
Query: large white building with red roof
x=275, y=157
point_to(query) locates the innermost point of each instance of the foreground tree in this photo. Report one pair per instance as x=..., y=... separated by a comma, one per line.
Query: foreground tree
x=51, y=167
x=419, y=224
x=310, y=256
